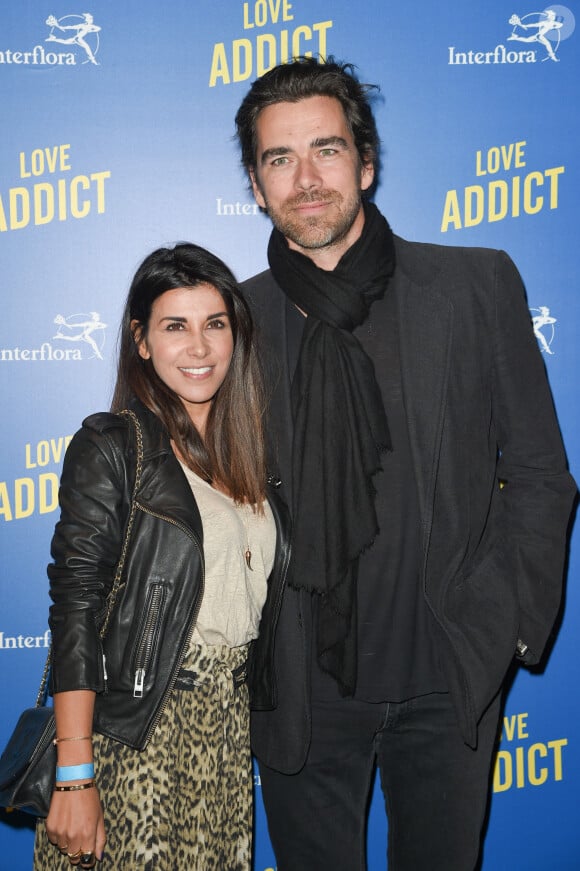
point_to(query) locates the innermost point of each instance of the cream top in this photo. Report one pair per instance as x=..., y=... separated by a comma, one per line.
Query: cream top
x=234, y=594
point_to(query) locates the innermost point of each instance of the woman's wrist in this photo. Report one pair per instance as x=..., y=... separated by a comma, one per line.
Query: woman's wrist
x=58, y=741
x=69, y=773
x=74, y=754
x=75, y=787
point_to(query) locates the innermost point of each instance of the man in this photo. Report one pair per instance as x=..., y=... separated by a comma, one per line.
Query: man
x=406, y=386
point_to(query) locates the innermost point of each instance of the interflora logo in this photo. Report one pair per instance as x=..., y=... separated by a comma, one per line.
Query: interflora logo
x=534, y=37
x=24, y=642
x=75, y=337
x=543, y=323
x=72, y=40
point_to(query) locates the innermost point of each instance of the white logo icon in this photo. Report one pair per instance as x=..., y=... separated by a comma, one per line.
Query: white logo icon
x=543, y=324
x=82, y=328
x=535, y=37
x=547, y=28
x=76, y=30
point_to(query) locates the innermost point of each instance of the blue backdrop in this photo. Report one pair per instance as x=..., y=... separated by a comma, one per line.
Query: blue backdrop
x=117, y=137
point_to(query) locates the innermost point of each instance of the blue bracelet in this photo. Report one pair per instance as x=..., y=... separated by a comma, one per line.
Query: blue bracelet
x=65, y=773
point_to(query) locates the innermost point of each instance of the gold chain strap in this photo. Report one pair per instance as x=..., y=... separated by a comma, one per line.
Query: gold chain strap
x=111, y=598
x=41, y=697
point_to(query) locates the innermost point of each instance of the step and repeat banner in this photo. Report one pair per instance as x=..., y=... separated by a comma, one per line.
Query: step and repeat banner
x=117, y=137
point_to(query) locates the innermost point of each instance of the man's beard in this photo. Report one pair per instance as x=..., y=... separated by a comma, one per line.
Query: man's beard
x=316, y=232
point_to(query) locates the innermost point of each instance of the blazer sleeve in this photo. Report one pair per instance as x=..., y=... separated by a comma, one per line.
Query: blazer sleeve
x=85, y=549
x=537, y=490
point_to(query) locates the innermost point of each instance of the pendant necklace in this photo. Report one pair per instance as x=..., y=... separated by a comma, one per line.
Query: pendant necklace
x=247, y=552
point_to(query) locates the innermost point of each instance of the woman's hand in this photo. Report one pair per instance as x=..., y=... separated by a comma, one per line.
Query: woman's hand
x=75, y=824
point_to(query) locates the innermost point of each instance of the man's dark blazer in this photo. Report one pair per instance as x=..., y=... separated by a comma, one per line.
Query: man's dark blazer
x=479, y=412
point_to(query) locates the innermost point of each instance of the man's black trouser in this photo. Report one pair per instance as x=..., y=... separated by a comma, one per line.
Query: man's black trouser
x=435, y=788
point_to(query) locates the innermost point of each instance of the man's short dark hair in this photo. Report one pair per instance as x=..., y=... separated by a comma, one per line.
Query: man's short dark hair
x=307, y=77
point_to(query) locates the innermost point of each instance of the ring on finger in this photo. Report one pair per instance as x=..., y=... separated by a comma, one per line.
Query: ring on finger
x=88, y=860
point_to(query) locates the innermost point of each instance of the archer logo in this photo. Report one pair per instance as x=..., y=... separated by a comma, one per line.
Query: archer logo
x=72, y=40
x=87, y=331
x=535, y=37
x=78, y=337
x=76, y=31
x=546, y=29
x=543, y=324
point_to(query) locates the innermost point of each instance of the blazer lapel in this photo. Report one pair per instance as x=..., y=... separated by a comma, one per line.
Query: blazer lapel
x=280, y=429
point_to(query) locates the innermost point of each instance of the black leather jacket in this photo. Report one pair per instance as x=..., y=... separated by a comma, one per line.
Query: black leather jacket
x=162, y=584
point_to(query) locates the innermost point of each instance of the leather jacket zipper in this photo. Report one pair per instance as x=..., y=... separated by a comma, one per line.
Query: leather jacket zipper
x=146, y=643
x=195, y=614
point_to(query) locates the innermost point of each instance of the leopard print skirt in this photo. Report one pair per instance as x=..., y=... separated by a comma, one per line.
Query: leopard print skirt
x=185, y=802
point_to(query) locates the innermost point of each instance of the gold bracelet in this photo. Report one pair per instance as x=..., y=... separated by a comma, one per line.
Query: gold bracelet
x=76, y=738
x=74, y=787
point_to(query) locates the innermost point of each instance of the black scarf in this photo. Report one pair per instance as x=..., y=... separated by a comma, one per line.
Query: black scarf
x=340, y=430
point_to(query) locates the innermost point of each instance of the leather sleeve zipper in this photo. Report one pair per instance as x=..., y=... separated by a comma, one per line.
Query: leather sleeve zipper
x=195, y=613
x=148, y=636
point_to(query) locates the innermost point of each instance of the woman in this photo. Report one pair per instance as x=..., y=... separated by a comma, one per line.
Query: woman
x=159, y=706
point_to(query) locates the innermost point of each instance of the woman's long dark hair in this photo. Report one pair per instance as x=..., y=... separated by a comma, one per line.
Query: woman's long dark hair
x=231, y=452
